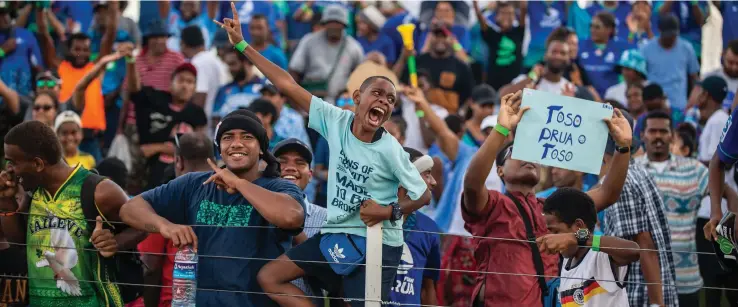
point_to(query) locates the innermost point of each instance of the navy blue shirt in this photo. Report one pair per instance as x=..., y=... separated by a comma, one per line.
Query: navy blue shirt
x=187, y=201
x=599, y=64
x=421, y=250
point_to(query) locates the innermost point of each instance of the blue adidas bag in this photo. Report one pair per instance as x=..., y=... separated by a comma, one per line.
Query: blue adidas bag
x=343, y=251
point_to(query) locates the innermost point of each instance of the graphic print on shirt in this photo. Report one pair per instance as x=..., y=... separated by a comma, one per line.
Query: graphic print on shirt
x=505, y=52
x=211, y=213
x=727, y=127
x=551, y=18
x=61, y=254
x=351, y=180
x=581, y=293
x=407, y=284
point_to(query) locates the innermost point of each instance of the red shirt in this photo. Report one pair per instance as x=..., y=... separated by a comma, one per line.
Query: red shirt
x=501, y=219
x=155, y=243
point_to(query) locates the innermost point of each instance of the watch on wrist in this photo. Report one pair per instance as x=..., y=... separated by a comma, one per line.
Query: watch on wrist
x=582, y=236
x=623, y=149
x=396, y=213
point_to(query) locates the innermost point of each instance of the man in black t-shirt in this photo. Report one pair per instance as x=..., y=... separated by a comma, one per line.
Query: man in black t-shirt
x=504, y=38
x=13, y=274
x=160, y=115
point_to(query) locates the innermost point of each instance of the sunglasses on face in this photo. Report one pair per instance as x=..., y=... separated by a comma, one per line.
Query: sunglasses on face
x=40, y=107
x=45, y=83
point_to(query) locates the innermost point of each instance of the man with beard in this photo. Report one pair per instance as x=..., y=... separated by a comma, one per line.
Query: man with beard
x=259, y=31
x=369, y=167
x=324, y=59
x=451, y=78
x=52, y=214
x=729, y=72
x=239, y=195
x=244, y=89
x=548, y=78
x=682, y=183
x=160, y=115
x=490, y=213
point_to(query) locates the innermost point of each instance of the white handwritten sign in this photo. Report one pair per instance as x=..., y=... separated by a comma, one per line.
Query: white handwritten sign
x=562, y=131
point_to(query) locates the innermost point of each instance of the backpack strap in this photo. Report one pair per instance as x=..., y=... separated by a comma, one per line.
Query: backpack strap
x=537, y=260
x=87, y=198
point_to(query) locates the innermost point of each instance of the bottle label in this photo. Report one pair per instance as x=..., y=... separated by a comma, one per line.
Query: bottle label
x=185, y=270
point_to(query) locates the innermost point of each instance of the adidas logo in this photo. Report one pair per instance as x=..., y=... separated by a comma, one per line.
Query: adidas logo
x=336, y=253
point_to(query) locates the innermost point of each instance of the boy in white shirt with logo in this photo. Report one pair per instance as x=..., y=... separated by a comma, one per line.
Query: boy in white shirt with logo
x=594, y=266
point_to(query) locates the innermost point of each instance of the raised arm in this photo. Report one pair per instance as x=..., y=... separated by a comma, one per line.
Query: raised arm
x=106, y=43
x=447, y=140
x=623, y=252
x=45, y=41
x=609, y=192
x=475, y=191
x=10, y=97
x=78, y=96
x=480, y=17
x=280, y=78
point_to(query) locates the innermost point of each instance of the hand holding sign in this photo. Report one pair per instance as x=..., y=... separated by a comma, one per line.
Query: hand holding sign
x=103, y=239
x=510, y=110
x=620, y=129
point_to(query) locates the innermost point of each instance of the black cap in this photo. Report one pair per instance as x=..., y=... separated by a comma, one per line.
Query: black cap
x=220, y=39
x=293, y=145
x=48, y=75
x=652, y=91
x=484, y=94
x=668, y=25
x=716, y=87
x=610, y=146
x=725, y=245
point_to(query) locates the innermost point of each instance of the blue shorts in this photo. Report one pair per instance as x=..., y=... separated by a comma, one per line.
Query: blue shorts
x=352, y=284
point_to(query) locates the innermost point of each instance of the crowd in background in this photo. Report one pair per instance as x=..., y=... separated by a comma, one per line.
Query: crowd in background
x=120, y=95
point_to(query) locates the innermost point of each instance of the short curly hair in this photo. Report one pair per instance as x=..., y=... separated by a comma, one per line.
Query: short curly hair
x=36, y=140
x=569, y=204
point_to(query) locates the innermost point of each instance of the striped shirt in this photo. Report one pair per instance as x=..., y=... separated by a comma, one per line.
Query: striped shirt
x=641, y=209
x=682, y=183
x=157, y=73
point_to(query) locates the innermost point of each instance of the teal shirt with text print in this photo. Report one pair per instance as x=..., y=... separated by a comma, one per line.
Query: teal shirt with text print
x=358, y=171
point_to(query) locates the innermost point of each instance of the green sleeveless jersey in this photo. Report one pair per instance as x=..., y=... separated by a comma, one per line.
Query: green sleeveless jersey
x=63, y=266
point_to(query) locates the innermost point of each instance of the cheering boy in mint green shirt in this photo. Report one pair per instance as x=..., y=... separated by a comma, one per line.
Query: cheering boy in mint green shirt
x=366, y=168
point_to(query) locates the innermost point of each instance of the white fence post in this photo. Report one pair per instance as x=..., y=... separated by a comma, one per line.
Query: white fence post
x=373, y=289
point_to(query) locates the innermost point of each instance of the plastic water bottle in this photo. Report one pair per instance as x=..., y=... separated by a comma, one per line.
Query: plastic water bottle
x=184, y=278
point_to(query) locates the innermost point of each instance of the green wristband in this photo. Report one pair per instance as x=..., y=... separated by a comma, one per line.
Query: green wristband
x=130, y=60
x=2, y=53
x=502, y=130
x=533, y=75
x=457, y=47
x=241, y=46
x=596, y=243
x=420, y=113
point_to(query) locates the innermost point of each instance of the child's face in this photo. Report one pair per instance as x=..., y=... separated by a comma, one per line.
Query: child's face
x=505, y=16
x=556, y=226
x=70, y=135
x=677, y=147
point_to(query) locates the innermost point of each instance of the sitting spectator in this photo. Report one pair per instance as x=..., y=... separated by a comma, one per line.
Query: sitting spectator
x=599, y=53
x=632, y=66
x=634, y=99
x=267, y=114
x=564, y=178
x=68, y=128
x=260, y=40
x=671, y=61
x=594, y=267
x=654, y=99
x=290, y=123
x=505, y=40
x=548, y=77
x=45, y=107
x=450, y=77
x=242, y=91
x=369, y=22
x=189, y=14
x=729, y=72
x=324, y=60
x=684, y=143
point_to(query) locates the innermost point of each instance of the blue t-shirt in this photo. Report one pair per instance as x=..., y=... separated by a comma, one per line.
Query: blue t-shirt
x=621, y=12
x=148, y=11
x=322, y=156
x=727, y=149
x=670, y=68
x=544, y=17
x=390, y=30
x=187, y=201
x=297, y=29
x=233, y=96
x=688, y=28
x=460, y=32
x=176, y=24
x=599, y=64
x=421, y=250
x=275, y=55
x=16, y=67
x=453, y=184
x=729, y=10
x=249, y=8
x=383, y=44
x=360, y=171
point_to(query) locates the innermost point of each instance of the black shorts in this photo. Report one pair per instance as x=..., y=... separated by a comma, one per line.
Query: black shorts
x=353, y=284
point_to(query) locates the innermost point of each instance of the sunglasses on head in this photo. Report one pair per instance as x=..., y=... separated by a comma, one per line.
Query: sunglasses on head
x=45, y=83
x=341, y=102
x=44, y=107
x=176, y=140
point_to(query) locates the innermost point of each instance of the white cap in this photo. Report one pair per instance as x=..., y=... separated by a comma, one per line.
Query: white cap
x=489, y=122
x=374, y=16
x=67, y=117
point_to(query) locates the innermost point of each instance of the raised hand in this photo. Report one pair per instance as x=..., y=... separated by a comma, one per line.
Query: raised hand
x=415, y=95
x=510, y=110
x=232, y=26
x=8, y=186
x=224, y=178
x=103, y=239
x=620, y=129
